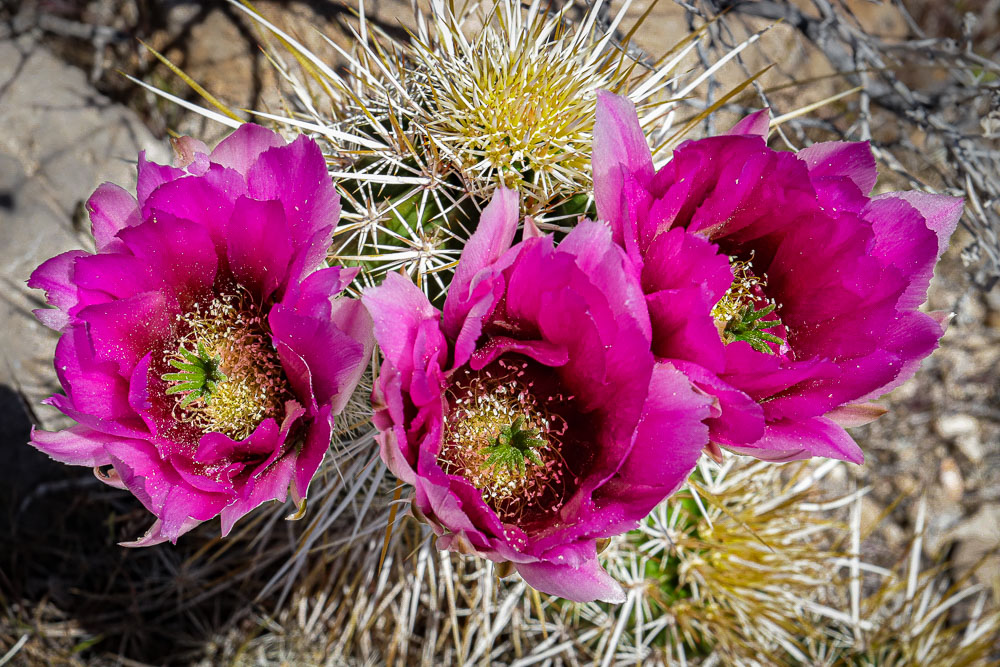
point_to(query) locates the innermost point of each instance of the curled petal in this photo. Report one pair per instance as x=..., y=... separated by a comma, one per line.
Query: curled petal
x=475, y=286
x=492, y=238
x=619, y=147
x=190, y=154
x=156, y=534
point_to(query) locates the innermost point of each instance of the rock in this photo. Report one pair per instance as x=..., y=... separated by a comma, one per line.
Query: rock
x=993, y=299
x=871, y=513
x=943, y=516
x=964, y=431
x=222, y=51
x=953, y=426
x=971, y=446
x=979, y=536
x=60, y=140
x=951, y=480
x=970, y=309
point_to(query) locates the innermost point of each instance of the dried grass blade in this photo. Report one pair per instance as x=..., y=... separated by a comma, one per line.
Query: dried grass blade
x=393, y=509
x=195, y=86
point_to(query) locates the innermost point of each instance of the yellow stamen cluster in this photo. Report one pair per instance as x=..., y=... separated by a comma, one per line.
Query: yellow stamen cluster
x=475, y=422
x=232, y=330
x=741, y=295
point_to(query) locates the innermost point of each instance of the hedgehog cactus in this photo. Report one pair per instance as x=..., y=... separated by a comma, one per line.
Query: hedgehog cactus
x=478, y=97
x=736, y=568
x=745, y=567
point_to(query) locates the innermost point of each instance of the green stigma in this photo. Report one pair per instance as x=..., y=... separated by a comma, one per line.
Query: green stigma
x=751, y=328
x=504, y=440
x=198, y=376
x=736, y=313
x=513, y=447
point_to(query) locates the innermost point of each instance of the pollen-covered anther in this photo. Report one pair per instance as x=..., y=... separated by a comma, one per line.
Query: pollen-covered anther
x=243, y=382
x=741, y=295
x=500, y=438
x=745, y=313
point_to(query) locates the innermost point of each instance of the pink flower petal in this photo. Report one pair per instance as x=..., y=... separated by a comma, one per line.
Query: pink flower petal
x=161, y=489
x=584, y=583
x=76, y=445
x=397, y=307
x=256, y=225
x=740, y=418
x=758, y=123
x=156, y=535
x=940, y=212
x=903, y=241
x=331, y=355
x=107, y=276
x=474, y=280
x=672, y=407
x=352, y=319
x=112, y=209
x=313, y=450
x=152, y=176
x=856, y=414
x=179, y=253
x=55, y=276
x=207, y=201
x=125, y=331
x=296, y=176
x=94, y=386
x=841, y=159
x=241, y=149
x=619, y=147
x=793, y=440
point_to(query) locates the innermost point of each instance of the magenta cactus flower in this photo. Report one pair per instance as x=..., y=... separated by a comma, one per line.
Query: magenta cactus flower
x=204, y=352
x=802, y=289
x=530, y=416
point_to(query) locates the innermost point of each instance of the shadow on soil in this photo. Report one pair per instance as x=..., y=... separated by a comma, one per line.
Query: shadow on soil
x=80, y=596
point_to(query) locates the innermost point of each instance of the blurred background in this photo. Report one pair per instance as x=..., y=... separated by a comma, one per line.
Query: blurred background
x=70, y=120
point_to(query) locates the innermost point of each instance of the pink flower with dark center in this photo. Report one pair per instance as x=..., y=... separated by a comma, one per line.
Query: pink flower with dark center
x=204, y=352
x=800, y=290
x=530, y=416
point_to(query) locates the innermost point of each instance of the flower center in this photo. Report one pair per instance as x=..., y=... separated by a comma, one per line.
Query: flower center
x=507, y=443
x=227, y=376
x=515, y=105
x=745, y=312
